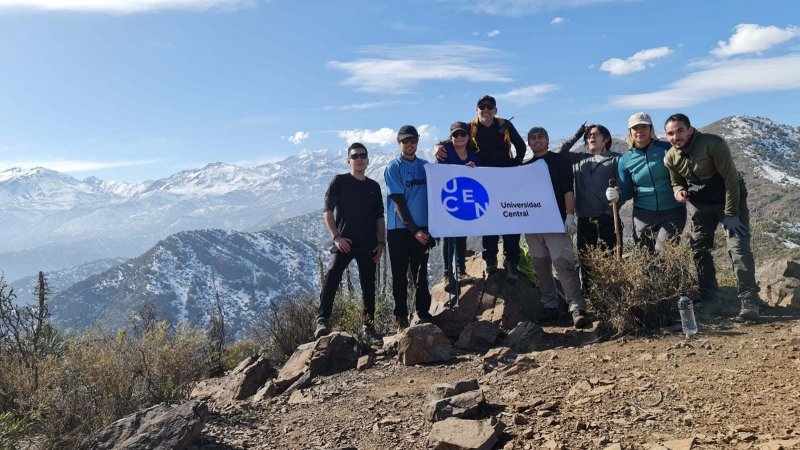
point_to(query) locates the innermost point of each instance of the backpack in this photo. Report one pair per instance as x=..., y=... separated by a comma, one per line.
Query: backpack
x=503, y=128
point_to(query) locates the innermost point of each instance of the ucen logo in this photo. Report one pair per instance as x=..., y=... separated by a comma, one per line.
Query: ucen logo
x=465, y=198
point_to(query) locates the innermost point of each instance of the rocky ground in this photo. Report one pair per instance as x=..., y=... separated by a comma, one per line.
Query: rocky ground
x=731, y=386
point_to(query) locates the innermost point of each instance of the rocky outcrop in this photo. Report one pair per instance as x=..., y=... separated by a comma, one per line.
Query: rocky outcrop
x=161, y=427
x=780, y=283
x=327, y=355
x=240, y=383
x=478, y=336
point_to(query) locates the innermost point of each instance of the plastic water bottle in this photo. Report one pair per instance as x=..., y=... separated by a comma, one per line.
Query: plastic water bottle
x=686, y=309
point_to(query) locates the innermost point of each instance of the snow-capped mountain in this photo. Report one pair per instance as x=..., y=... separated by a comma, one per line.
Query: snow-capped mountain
x=182, y=274
x=60, y=280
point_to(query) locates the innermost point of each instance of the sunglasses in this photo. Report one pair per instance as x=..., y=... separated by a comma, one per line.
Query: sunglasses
x=355, y=156
x=485, y=106
x=409, y=140
x=458, y=133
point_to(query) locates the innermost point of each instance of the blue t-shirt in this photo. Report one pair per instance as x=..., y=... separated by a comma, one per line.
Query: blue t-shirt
x=452, y=156
x=407, y=178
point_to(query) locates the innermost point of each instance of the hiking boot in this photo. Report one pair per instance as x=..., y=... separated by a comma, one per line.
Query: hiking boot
x=749, y=311
x=323, y=329
x=402, y=323
x=372, y=335
x=424, y=317
x=579, y=319
x=549, y=315
x=512, y=273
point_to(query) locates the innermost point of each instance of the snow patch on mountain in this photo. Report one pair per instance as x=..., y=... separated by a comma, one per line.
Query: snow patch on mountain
x=775, y=147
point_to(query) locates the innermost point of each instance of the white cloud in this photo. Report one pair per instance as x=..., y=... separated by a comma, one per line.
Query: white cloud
x=526, y=7
x=124, y=6
x=493, y=33
x=557, y=21
x=298, y=137
x=724, y=79
x=396, y=69
x=527, y=95
x=69, y=166
x=382, y=137
x=362, y=106
x=639, y=61
x=752, y=38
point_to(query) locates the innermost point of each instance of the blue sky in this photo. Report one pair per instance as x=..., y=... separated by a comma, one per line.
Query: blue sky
x=139, y=89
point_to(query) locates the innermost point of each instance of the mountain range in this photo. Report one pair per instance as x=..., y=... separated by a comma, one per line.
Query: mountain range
x=200, y=232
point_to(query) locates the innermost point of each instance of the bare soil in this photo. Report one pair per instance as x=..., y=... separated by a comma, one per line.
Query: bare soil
x=733, y=385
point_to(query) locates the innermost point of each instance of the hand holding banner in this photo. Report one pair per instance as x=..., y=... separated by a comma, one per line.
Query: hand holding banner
x=483, y=201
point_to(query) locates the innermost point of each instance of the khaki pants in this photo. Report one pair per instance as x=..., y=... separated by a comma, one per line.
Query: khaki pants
x=554, y=250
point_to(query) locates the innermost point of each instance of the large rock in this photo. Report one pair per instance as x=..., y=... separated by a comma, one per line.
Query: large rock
x=424, y=343
x=240, y=383
x=460, y=434
x=453, y=320
x=464, y=405
x=161, y=427
x=478, y=336
x=327, y=355
x=780, y=283
x=525, y=337
x=444, y=390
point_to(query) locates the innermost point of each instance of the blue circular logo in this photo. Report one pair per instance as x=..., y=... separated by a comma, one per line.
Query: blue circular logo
x=465, y=198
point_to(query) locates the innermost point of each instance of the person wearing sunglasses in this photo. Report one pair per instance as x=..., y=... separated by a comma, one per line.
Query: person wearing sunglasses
x=353, y=214
x=591, y=172
x=494, y=138
x=461, y=151
x=407, y=224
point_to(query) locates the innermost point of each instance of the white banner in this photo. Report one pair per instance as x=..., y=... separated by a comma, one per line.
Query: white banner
x=482, y=201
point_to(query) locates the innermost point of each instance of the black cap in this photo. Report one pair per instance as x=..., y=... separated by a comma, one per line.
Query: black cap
x=407, y=131
x=487, y=99
x=459, y=126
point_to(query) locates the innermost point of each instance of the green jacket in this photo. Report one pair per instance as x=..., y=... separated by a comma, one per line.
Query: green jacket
x=706, y=170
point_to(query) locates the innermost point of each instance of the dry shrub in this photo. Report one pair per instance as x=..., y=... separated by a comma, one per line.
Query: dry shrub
x=640, y=292
x=102, y=377
x=285, y=324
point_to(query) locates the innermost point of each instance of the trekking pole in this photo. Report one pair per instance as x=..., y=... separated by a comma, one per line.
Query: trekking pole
x=612, y=183
x=456, y=272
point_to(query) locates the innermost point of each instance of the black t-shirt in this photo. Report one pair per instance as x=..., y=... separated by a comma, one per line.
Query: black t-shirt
x=560, y=170
x=357, y=205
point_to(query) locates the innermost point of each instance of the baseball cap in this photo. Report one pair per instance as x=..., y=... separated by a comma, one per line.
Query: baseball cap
x=640, y=118
x=538, y=130
x=459, y=126
x=407, y=131
x=487, y=99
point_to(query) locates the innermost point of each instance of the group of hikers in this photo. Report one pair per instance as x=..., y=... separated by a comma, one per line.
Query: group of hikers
x=693, y=175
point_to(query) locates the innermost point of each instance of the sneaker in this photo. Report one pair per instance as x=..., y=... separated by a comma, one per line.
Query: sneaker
x=512, y=273
x=579, y=319
x=323, y=329
x=402, y=323
x=371, y=334
x=549, y=315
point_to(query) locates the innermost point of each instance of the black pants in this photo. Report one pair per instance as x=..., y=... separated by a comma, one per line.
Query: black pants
x=454, y=248
x=339, y=261
x=510, y=248
x=594, y=231
x=405, y=253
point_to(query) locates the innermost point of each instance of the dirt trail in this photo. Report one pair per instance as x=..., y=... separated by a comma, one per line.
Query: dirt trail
x=733, y=386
